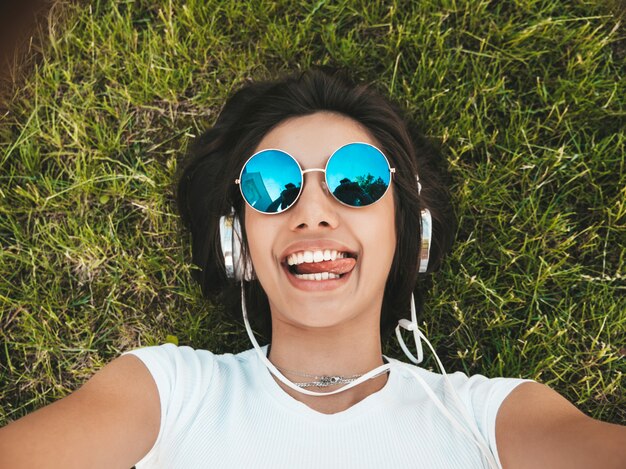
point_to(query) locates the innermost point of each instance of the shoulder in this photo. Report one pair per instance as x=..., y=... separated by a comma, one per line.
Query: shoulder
x=185, y=382
x=480, y=395
x=169, y=359
x=173, y=362
x=469, y=400
x=476, y=391
x=185, y=376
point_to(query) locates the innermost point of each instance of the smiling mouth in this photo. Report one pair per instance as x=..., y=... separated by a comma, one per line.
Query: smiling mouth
x=320, y=265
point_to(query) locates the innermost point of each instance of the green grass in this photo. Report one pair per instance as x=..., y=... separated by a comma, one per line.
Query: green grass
x=527, y=99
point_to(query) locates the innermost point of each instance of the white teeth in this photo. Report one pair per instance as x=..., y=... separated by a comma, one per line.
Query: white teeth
x=318, y=276
x=315, y=256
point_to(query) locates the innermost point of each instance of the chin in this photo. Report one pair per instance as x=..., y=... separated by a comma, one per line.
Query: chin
x=316, y=318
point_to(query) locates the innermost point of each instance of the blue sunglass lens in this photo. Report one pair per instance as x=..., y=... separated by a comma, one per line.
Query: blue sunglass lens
x=271, y=181
x=358, y=174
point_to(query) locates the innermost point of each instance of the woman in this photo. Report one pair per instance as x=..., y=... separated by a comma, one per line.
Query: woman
x=319, y=201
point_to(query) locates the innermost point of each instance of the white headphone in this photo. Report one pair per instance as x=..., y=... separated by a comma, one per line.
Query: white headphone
x=231, y=240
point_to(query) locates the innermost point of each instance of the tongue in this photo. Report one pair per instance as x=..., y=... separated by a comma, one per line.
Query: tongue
x=338, y=266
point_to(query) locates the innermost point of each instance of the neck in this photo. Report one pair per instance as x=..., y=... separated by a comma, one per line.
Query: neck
x=338, y=351
x=351, y=346
x=321, y=353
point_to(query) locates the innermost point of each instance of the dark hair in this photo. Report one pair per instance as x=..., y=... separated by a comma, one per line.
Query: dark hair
x=206, y=188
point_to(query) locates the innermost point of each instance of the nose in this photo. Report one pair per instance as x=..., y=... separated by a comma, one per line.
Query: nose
x=315, y=209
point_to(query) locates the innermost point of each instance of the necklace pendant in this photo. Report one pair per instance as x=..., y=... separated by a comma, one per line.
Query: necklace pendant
x=328, y=381
x=325, y=381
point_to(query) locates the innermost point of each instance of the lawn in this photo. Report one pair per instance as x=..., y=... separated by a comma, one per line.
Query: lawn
x=526, y=98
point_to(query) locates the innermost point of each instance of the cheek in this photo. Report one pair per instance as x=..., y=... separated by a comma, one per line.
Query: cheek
x=388, y=224
x=259, y=233
x=380, y=234
x=254, y=235
x=390, y=240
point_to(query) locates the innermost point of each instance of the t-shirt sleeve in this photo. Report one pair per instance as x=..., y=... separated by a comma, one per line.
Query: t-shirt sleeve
x=182, y=376
x=483, y=397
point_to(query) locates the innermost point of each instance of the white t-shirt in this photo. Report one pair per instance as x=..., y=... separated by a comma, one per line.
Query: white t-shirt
x=227, y=411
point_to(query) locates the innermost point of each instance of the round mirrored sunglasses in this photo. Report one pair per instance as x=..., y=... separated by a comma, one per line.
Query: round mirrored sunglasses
x=357, y=175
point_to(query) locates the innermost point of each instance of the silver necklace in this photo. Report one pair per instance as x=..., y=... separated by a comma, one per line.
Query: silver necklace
x=321, y=381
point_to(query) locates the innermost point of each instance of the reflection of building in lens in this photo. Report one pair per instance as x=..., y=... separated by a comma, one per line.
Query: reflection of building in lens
x=286, y=198
x=253, y=187
x=351, y=193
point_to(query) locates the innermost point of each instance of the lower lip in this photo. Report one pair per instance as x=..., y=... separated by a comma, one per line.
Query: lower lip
x=317, y=285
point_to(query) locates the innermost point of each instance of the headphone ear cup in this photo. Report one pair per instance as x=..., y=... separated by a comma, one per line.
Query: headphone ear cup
x=231, y=242
x=226, y=242
x=426, y=232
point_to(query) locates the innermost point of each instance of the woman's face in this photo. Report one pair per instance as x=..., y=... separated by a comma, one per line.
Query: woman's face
x=318, y=222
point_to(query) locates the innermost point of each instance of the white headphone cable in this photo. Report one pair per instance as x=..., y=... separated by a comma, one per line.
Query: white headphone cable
x=409, y=325
x=475, y=435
